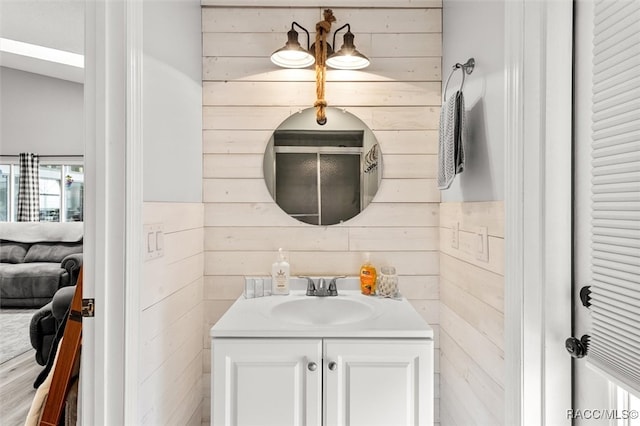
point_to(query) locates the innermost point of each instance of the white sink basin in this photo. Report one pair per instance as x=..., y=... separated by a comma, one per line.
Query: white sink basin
x=323, y=311
x=348, y=315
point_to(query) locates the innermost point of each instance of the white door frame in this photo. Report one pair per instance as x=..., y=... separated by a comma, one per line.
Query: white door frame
x=538, y=211
x=113, y=210
x=538, y=52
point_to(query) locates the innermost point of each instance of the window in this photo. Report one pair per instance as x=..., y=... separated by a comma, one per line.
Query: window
x=5, y=202
x=61, y=192
x=73, y=193
x=628, y=408
x=50, y=193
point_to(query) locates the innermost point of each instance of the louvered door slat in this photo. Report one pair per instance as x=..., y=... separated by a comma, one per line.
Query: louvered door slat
x=615, y=188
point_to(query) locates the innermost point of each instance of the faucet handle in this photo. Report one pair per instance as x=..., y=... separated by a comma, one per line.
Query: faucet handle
x=322, y=288
x=321, y=283
x=311, y=287
x=333, y=289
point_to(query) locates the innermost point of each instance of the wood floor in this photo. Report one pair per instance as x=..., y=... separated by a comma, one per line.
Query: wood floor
x=16, y=388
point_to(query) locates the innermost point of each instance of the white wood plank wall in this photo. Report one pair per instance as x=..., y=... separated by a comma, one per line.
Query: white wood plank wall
x=471, y=315
x=170, y=370
x=246, y=97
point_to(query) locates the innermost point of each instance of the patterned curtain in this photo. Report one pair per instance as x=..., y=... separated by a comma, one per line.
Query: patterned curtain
x=29, y=188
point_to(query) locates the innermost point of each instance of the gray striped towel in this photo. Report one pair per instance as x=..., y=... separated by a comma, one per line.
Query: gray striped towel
x=451, y=140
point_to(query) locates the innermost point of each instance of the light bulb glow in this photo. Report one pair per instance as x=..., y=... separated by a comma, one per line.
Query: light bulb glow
x=288, y=58
x=348, y=62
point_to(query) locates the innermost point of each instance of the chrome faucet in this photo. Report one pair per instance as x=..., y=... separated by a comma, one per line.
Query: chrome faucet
x=333, y=290
x=322, y=290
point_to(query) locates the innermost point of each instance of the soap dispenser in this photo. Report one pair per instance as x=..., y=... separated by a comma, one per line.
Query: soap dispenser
x=367, y=277
x=280, y=275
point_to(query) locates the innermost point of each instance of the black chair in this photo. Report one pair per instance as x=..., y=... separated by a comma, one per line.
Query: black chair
x=46, y=322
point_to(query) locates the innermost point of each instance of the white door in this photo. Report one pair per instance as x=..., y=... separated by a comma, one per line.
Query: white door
x=593, y=394
x=590, y=390
x=263, y=382
x=378, y=382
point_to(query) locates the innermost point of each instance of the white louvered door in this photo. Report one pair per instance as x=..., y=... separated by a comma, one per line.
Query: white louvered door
x=607, y=201
x=615, y=216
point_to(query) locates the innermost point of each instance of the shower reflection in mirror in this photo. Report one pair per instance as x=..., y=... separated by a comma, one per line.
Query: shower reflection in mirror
x=322, y=177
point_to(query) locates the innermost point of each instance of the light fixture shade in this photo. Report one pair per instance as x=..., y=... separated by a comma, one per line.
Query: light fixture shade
x=351, y=61
x=348, y=57
x=292, y=55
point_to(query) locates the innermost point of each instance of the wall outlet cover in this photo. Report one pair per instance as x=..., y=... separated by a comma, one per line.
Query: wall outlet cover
x=153, y=240
x=482, y=252
x=455, y=235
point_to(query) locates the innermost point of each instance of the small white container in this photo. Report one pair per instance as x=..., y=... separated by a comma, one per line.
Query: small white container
x=267, y=286
x=280, y=275
x=387, y=282
x=259, y=287
x=249, y=288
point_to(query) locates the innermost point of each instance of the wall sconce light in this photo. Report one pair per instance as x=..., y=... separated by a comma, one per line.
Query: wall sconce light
x=348, y=57
x=292, y=55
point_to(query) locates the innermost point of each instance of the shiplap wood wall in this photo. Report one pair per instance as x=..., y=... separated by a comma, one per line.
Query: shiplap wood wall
x=471, y=315
x=170, y=370
x=245, y=97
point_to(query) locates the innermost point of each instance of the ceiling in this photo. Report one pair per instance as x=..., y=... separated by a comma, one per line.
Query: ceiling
x=56, y=24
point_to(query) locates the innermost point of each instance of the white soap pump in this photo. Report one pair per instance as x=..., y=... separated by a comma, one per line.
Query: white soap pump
x=280, y=275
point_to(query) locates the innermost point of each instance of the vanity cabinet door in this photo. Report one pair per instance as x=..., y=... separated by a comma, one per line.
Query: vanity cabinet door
x=378, y=382
x=266, y=382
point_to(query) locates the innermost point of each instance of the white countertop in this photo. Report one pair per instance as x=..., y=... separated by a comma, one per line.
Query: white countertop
x=391, y=318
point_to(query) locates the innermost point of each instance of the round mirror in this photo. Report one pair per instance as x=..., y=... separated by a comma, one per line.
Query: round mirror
x=323, y=175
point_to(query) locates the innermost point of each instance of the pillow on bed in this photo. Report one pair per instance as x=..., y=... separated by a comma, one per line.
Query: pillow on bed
x=51, y=252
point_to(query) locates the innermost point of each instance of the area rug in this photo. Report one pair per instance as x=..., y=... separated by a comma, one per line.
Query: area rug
x=14, y=333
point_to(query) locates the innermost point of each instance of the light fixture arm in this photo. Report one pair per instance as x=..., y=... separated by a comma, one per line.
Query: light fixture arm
x=294, y=23
x=348, y=27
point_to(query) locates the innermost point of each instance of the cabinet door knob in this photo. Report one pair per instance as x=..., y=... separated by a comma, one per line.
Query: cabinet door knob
x=312, y=366
x=333, y=366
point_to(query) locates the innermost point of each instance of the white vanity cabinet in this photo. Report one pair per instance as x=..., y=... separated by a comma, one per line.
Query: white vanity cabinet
x=257, y=382
x=378, y=382
x=322, y=381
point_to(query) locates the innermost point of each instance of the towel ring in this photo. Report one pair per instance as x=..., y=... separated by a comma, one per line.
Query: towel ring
x=467, y=68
